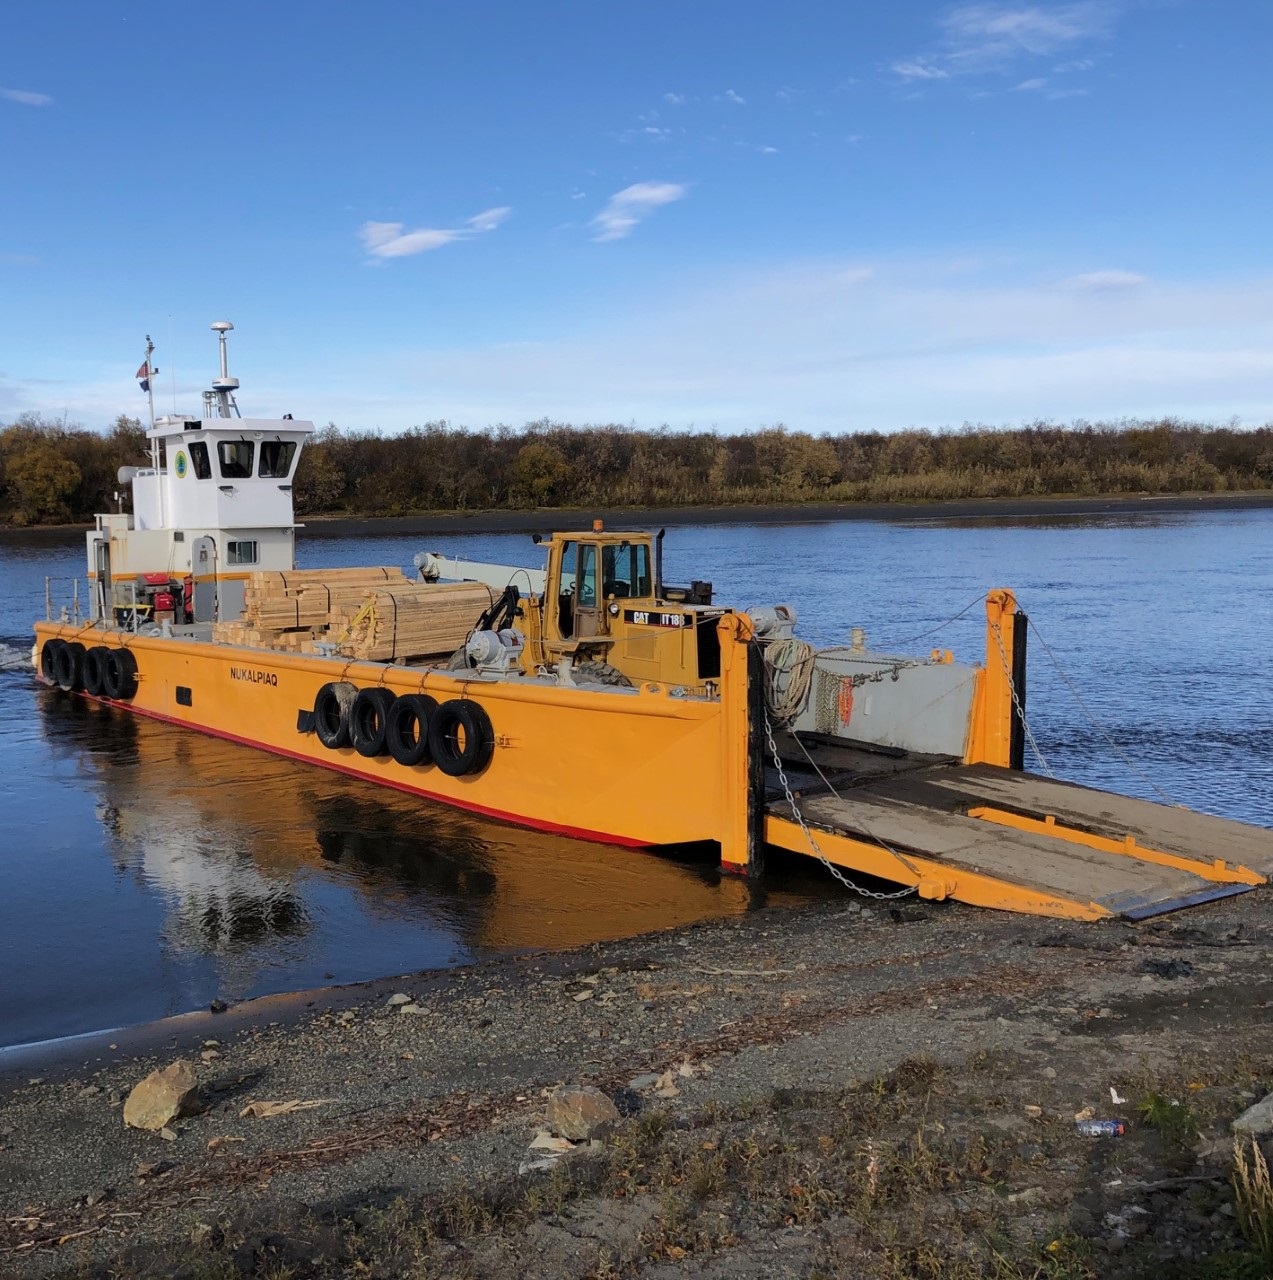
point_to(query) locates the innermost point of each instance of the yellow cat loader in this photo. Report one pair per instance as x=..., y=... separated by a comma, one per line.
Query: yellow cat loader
x=602, y=605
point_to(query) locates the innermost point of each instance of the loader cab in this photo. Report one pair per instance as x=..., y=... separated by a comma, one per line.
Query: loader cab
x=592, y=574
x=604, y=602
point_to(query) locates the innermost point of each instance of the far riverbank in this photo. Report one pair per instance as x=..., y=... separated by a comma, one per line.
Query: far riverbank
x=547, y=519
x=542, y=520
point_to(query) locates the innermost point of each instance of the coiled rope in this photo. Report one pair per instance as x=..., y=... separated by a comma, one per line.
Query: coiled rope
x=788, y=677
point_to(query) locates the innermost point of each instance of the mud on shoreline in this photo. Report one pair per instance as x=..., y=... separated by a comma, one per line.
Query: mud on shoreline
x=883, y=1092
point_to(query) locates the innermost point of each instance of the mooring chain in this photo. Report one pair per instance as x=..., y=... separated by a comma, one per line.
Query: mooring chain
x=808, y=834
x=1016, y=701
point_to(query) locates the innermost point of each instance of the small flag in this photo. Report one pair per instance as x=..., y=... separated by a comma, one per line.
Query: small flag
x=144, y=374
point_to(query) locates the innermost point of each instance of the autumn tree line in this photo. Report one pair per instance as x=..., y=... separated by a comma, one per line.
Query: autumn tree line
x=53, y=473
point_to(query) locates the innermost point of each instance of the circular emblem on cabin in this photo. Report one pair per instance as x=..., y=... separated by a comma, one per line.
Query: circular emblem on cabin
x=181, y=464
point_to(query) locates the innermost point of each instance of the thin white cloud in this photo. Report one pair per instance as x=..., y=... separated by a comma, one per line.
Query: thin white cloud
x=919, y=69
x=768, y=151
x=674, y=99
x=1102, y=281
x=18, y=259
x=994, y=32
x=626, y=208
x=385, y=240
x=1029, y=86
x=26, y=97
x=992, y=37
x=489, y=219
x=736, y=98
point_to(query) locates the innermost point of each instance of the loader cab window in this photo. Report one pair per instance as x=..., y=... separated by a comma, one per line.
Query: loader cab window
x=236, y=459
x=566, y=600
x=199, y=460
x=586, y=592
x=625, y=571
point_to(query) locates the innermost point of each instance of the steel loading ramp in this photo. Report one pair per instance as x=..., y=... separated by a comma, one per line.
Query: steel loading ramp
x=998, y=838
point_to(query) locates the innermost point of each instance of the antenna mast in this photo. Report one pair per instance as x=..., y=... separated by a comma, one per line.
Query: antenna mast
x=150, y=399
x=150, y=380
x=225, y=386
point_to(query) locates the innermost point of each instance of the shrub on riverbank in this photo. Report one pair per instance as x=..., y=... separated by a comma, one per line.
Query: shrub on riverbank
x=440, y=468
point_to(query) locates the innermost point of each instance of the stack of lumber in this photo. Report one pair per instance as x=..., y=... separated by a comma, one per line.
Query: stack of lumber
x=375, y=613
x=421, y=621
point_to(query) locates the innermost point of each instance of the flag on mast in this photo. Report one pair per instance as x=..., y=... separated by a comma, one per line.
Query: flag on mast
x=145, y=373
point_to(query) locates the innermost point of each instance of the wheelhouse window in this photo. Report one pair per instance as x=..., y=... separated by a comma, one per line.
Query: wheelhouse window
x=236, y=459
x=199, y=460
x=243, y=552
x=276, y=458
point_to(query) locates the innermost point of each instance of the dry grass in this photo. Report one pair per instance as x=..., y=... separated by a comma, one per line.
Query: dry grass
x=1253, y=1198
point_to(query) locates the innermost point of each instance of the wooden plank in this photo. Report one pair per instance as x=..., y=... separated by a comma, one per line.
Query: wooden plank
x=1180, y=831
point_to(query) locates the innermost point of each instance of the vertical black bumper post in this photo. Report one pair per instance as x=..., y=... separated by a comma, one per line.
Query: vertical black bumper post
x=757, y=755
x=1016, y=741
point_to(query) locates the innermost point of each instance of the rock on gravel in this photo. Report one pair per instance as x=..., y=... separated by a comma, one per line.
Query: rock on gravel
x=162, y=1097
x=1257, y=1119
x=580, y=1111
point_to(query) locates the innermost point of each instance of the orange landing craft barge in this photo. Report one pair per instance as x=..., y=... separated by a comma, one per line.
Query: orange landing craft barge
x=591, y=698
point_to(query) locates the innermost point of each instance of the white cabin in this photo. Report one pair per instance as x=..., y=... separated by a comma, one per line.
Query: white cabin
x=214, y=505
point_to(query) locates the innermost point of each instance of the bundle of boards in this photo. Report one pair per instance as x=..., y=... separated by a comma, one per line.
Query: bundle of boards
x=375, y=614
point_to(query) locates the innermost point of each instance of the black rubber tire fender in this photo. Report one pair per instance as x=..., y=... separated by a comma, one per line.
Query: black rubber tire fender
x=48, y=659
x=95, y=670
x=452, y=718
x=119, y=674
x=407, y=728
x=332, y=706
x=68, y=666
x=368, y=719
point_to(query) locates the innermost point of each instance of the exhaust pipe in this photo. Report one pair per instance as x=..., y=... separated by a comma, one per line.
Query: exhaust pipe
x=658, y=564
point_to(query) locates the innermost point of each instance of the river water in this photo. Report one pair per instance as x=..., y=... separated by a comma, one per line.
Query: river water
x=145, y=869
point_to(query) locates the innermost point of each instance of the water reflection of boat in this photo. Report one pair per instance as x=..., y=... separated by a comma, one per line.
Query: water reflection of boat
x=238, y=854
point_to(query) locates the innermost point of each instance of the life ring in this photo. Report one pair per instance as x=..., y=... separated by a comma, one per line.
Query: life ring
x=407, y=728
x=331, y=713
x=95, y=670
x=48, y=659
x=68, y=666
x=119, y=674
x=458, y=755
x=368, y=719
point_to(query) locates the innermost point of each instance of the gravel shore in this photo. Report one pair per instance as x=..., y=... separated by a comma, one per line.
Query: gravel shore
x=827, y=1090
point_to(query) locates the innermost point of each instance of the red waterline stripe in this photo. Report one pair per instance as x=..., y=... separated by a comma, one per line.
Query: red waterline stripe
x=555, y=828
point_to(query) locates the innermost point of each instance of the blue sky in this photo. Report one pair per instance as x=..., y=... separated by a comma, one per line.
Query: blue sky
x=719, y=215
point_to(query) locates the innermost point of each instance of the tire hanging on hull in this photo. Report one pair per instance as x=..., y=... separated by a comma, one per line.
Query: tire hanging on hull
x=119, y=674
x=407, y=728
x=332, y=707
x=48, y=660
x=95, y=670
x=368, y=720
x=68, y=666
x=461, y=739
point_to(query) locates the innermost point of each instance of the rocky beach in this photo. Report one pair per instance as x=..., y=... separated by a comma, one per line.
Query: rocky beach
x=869, y=1088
